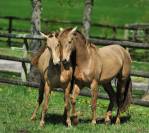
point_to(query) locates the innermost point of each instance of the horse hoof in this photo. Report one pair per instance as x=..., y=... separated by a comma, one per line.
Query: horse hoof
x=93, y=122
x=32, y=118
x=75, y=120
x=41, y=123
x=68, y=123
x=117, y=121
x=107, y=122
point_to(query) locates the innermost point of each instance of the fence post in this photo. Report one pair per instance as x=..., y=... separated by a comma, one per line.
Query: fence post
x=25, y=66
x=126, y=33
x=87, y=17
x=9, y=30
x=35, y=30
x=114, y=32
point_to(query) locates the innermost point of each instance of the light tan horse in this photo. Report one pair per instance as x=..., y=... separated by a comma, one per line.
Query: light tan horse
x=96, y=66
x=54, y=75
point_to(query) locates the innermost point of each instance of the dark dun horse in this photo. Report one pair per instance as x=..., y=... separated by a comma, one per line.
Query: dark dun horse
x=95, y=66
x=53, y=74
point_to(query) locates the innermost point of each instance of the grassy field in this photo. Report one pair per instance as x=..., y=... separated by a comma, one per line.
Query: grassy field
x=107, y=11
x=17, y=104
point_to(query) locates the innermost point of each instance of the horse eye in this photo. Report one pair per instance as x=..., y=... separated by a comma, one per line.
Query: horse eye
x=58, y=45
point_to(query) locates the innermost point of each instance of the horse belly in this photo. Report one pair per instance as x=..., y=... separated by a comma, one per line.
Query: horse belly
x=110, y=70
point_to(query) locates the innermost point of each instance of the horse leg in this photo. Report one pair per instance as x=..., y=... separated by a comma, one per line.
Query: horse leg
x=67, y=105
x=120, y=97
x=112, y=95
x=75, y=93
x=39, y=101
x=47, y=90
x=94, y=95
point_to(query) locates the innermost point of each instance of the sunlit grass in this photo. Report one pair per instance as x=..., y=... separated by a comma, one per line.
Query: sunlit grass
x=17, y=104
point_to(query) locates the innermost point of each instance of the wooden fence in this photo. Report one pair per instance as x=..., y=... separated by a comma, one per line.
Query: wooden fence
x=25, y=37
x=135, y=28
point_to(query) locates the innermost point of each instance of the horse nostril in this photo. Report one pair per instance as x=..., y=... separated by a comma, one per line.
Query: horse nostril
x=57, y=65
x=64, y=61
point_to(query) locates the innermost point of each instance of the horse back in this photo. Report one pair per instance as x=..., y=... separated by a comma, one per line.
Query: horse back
x=114, y=58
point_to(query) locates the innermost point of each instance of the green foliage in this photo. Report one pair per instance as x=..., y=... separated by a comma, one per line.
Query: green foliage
x=17, y=104
x=107, y=11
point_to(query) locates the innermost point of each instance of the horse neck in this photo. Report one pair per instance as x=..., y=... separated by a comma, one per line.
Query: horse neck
x=44, y=60
x=82, y=51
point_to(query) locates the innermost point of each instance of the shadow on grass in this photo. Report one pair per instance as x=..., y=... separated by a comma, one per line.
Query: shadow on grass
x=54, y=119
x=59, y=119
x=124, y=119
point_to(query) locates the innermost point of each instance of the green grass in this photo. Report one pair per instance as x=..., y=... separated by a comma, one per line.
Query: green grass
x=17, y=104
x=9, y=52
x=107, y=12
x=140, y=66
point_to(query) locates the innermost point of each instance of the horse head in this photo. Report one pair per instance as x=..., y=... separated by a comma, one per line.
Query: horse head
x=54, y=47
x=66, y=38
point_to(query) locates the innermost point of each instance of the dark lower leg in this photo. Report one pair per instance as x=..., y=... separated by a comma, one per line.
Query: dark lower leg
x=112, y=96
x=120, y=97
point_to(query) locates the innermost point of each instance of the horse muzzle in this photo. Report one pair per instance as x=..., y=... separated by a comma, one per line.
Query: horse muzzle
x=66, y=63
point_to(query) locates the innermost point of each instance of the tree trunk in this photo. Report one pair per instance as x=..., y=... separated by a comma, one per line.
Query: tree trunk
x=35, y=30
x=87, y=17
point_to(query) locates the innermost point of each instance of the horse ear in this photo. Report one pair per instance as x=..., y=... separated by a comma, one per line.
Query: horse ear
x=73, y=30
x=43, y=35
x=61, y=29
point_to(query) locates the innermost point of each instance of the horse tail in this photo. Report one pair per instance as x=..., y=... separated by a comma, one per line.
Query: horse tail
x=127, y=96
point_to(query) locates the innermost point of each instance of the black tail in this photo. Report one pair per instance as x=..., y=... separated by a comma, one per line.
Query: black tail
x=127, y=96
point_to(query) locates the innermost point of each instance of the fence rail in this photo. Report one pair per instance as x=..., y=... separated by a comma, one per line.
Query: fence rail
x=123, y=43
x=93, y=40
x=113, y=28
x=129, y=27
x=26, y=60
x=36, y=85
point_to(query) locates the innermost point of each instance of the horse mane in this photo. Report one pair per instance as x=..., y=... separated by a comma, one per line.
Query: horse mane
x=80, y=35
x=88, y=43
x=35, y=57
